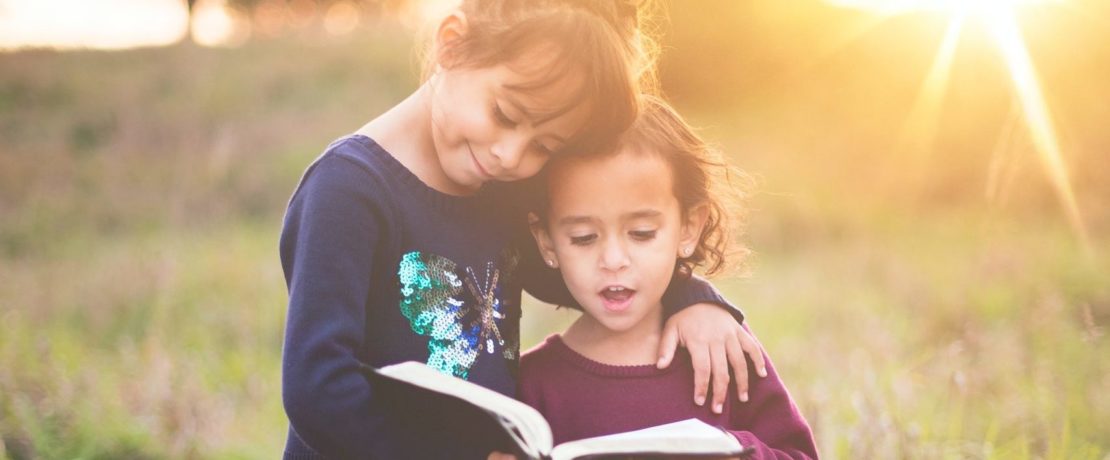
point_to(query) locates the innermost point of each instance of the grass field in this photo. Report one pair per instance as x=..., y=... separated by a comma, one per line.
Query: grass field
x=142, y=302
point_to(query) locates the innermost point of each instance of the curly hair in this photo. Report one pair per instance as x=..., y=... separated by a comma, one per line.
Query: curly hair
x=701, y=177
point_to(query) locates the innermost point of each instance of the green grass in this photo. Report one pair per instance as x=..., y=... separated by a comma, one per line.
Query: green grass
x=142, y=301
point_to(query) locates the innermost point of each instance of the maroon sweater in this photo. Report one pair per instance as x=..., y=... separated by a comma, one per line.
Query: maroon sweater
x=582, y=398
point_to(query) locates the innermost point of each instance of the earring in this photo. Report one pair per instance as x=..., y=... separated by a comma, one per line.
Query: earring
x=550, y=263
x=686, y=252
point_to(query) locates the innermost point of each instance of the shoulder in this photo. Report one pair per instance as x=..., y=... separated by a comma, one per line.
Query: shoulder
x=539, y=368
x=541, y=360
x=353, y=161
x=343, y=192
x=352, y=176
x=542, y=352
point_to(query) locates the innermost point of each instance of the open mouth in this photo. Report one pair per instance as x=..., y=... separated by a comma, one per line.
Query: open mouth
x=617, y=298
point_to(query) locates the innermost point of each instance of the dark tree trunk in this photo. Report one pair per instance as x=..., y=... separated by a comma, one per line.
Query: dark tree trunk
x=190, y=4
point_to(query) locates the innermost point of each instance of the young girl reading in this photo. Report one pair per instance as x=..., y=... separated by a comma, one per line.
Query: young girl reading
x=399, y=243
x=621, y=228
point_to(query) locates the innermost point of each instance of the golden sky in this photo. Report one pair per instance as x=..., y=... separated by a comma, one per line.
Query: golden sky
x=91, y=23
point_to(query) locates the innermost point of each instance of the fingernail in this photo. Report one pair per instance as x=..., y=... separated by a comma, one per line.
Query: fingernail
x=699, y=400
x=744, y=397
x=762, y=372
x=718, y=408
x=660, y=362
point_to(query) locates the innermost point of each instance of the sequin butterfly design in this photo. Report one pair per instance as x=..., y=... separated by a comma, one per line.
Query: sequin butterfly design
x=458, y=329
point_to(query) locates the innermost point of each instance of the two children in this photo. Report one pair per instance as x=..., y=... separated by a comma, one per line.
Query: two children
x=621, y=227
x=399, y=244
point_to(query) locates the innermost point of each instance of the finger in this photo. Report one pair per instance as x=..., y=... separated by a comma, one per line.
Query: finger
x=739, y=367
x=699, y=358
x=667, y=346
x=719, y=363
x=754, y=349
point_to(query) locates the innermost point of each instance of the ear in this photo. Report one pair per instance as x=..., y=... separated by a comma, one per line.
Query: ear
x=451, y=29
x=692, y=226
x=543, y=240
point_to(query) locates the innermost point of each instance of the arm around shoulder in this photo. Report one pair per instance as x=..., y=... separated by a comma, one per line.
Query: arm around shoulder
x=685, y=291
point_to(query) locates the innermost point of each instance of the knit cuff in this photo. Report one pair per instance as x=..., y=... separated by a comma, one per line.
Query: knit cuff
x=694, y=290
x=302, y=456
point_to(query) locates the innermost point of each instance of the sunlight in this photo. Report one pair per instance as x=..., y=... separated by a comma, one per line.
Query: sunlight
x=922, y=122
x=105, y=24
x=341, y=18
x=998, y=16
x=1005, y=30
x=955, y=7
x=215, y=24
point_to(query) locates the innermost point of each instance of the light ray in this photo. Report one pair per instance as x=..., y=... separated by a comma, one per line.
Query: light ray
x=1004, y=159
x=921, y=124
x=843, y=39
x=1004, y=27
x=999, y=18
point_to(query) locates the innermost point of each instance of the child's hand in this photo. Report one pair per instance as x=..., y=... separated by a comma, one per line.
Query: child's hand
x=715, y=340
x=500, y=456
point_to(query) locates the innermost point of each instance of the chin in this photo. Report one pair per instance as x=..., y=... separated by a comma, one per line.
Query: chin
x=620, y=325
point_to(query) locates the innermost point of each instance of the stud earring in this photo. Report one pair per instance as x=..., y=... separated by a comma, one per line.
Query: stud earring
x=550, y=263
x=686, y=252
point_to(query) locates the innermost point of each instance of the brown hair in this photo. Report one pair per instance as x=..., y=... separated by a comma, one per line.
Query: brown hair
x=701, y=178
x=602, y=40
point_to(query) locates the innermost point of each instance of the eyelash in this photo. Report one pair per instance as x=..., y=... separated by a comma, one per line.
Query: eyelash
x=507, y=122
x=638, y=235
x=543, y=149
x=503, y=119
x=582, y=240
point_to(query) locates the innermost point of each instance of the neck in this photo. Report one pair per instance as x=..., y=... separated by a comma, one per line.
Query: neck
x=637, y=345
x=405, y=132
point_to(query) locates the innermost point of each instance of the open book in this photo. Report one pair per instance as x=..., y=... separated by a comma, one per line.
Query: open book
x=510, y=426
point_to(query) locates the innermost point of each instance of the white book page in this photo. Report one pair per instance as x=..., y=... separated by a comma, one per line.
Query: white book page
x=691, y=436
x=534, y=430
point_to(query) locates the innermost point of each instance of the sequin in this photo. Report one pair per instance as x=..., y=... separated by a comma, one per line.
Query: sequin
x=460, y=323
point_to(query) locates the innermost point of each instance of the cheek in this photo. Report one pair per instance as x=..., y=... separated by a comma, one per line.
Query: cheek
x=464, y=117
x=575, y=262
x=578, y=277
x=468, y=124
x=658, y=260
x=531, y=165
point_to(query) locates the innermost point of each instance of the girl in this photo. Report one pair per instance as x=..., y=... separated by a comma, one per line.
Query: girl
x=394, y=250
x=620, y=228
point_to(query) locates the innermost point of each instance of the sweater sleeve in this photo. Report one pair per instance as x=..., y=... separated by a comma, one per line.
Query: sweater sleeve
x=328, y=242
x=770, y=423
x=546, y=284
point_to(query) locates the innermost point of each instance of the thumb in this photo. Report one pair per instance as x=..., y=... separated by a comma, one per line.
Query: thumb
x=667, y=346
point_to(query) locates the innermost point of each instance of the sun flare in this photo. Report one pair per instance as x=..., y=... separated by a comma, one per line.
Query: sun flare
x=999, y=17
x=955, y=7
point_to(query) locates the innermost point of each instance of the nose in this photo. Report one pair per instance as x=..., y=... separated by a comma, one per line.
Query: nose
x=509, y=152
x=614, y=256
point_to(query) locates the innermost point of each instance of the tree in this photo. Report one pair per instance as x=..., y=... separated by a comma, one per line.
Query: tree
x=190, y=5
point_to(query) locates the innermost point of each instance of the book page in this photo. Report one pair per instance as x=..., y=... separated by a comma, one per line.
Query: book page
x=531, y=430
x=690, y=436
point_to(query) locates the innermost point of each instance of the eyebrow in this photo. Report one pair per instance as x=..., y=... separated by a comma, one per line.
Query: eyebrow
x=643, y=214
x=571, y=220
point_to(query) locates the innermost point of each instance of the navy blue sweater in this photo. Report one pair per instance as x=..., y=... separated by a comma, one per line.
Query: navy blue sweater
x=383, y=269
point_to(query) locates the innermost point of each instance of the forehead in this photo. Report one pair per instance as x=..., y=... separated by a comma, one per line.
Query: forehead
x=610, y=186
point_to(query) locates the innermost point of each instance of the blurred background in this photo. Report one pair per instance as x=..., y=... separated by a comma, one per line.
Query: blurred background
x=931, y=230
